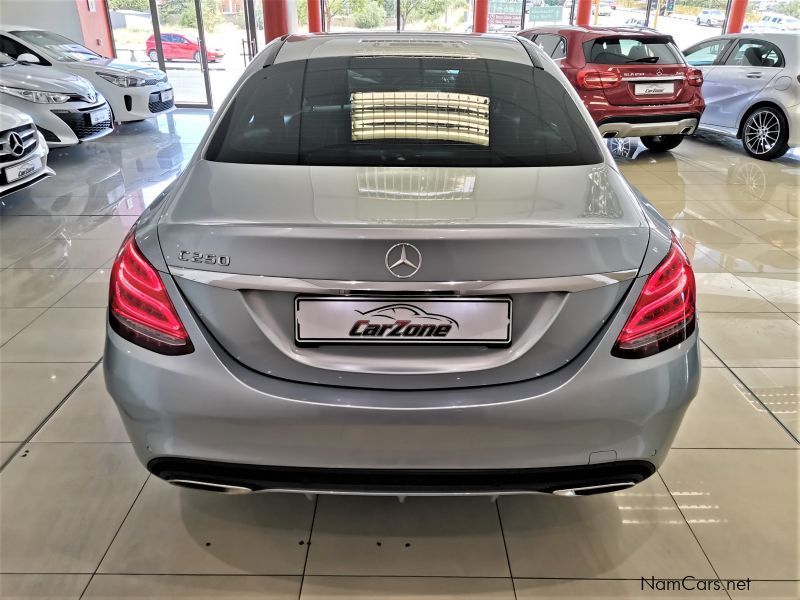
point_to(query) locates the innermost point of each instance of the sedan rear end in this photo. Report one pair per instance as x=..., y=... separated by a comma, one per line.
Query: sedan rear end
x=402, y=265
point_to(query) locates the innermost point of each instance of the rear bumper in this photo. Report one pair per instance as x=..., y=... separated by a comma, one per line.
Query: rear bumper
x=238, y=478
x=793, y=116
x=630, y=127
x=205, y=406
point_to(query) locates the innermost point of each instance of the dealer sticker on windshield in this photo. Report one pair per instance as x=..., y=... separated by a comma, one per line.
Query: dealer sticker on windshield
x=402, y=320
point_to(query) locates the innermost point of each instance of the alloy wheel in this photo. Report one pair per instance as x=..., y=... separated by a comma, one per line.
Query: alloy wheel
x=761, y=131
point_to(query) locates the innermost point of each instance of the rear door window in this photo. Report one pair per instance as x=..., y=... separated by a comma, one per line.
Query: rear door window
x=553, y=44
x=755, y=53
x=621, y=51
x=404, y=111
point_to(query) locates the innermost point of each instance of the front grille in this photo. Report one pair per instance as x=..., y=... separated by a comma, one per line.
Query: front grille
x=27, y=134
x=156, y=105
x=155, y=80
x=80, y=124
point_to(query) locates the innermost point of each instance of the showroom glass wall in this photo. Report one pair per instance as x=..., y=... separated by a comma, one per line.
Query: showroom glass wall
x=232, y=31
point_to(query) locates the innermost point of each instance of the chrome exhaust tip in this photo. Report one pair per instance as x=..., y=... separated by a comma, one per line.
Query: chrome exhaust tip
x=594, y=489
x=207, y=486
x=610, y=134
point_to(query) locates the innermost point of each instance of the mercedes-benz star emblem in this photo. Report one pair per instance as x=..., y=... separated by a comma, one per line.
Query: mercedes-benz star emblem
x=15, y=144
x=403, y=260
x=659, y=71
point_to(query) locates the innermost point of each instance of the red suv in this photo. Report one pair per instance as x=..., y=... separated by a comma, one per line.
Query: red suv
x=635, y=83
x=179, y=46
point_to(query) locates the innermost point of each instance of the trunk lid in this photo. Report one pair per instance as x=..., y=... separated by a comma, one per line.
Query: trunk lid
x=233, y=229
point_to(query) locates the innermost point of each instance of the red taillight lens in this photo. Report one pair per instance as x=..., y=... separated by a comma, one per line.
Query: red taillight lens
x=591, y=79
x=664, y=314
x=694, y=77
x=139, y=307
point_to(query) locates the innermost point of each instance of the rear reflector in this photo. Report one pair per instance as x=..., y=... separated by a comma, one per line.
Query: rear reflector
x=664, y=314
x=694, y=77
x=592, y=79
x=140, y=309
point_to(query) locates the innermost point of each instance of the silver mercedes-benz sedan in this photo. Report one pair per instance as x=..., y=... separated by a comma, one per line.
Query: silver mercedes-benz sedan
x=402, y=264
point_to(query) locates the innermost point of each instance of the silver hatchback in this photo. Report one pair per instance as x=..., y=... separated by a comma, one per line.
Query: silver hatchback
x=402, y=264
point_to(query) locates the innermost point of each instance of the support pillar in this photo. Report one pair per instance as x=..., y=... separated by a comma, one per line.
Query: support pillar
x=480, y=16
x=736, y=16
x=584, y=13
x=314, y=16
x=276, y=18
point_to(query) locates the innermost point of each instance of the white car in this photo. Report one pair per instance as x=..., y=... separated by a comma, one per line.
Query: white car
x=710, y=17
x=751, y=89
x=134, y=92
x=23, y=152
x=603, y=10
x=66, y=109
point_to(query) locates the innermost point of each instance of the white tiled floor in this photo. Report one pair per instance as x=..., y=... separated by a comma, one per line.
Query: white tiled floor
x=80, y=517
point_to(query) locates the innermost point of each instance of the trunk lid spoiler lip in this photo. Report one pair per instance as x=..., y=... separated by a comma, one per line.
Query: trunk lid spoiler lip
x=569, y=283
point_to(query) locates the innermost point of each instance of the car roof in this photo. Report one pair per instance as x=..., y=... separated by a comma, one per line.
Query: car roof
x=9, y=28
x=599, y=31
x=449, y=45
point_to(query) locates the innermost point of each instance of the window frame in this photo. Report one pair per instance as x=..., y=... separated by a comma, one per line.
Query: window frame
x=721, y=56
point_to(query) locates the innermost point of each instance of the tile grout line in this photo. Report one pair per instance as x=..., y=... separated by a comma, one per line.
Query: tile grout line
x=308, y=546
x=47, y=309
x=755, y=396
x=114, y=537
x=694, y=535
x=44, y=421
x=505, y=547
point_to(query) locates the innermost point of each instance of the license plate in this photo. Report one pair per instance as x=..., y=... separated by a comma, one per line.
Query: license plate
x=23, y=169
x=98, y=116
x=654, y=89
x=402, y=320
x=167, y=95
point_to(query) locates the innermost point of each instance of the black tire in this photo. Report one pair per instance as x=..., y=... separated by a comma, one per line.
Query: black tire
x=708, y=23
x=765, y=133
x=698, y=20
x=661, y=143
x=197, y=57
x=153, y=56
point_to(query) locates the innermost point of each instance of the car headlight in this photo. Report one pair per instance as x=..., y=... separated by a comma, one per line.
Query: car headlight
x=35, y=95
x=122, y=80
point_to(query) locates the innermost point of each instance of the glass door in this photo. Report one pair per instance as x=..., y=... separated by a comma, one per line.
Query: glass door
x=178, y=45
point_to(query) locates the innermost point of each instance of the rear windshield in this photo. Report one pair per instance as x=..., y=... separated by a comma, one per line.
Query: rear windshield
x=622, y=50
x=403, y=112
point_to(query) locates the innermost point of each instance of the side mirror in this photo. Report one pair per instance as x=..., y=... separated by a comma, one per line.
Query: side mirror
x=28, y=58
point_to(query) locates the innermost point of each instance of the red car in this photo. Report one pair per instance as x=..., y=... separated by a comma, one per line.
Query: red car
x=180, y=46
x=634, y=83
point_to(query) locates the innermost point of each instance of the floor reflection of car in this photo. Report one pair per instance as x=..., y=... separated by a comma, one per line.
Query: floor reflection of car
x=633, y=82
x=710, y=17
x=133, y=92
x=377, y=351
x=180, y=46
x=751, y=89
x=66, y=108
x=23, y=151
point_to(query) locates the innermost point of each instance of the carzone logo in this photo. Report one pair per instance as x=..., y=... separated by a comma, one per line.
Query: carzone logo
x=402, y=321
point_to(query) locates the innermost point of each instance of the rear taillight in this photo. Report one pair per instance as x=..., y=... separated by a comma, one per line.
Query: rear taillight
x=591, y=79
x=140, y=309
x=664, y=314
x=694, y=77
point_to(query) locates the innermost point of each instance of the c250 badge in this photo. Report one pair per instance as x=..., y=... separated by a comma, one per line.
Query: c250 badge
x=206, y=259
